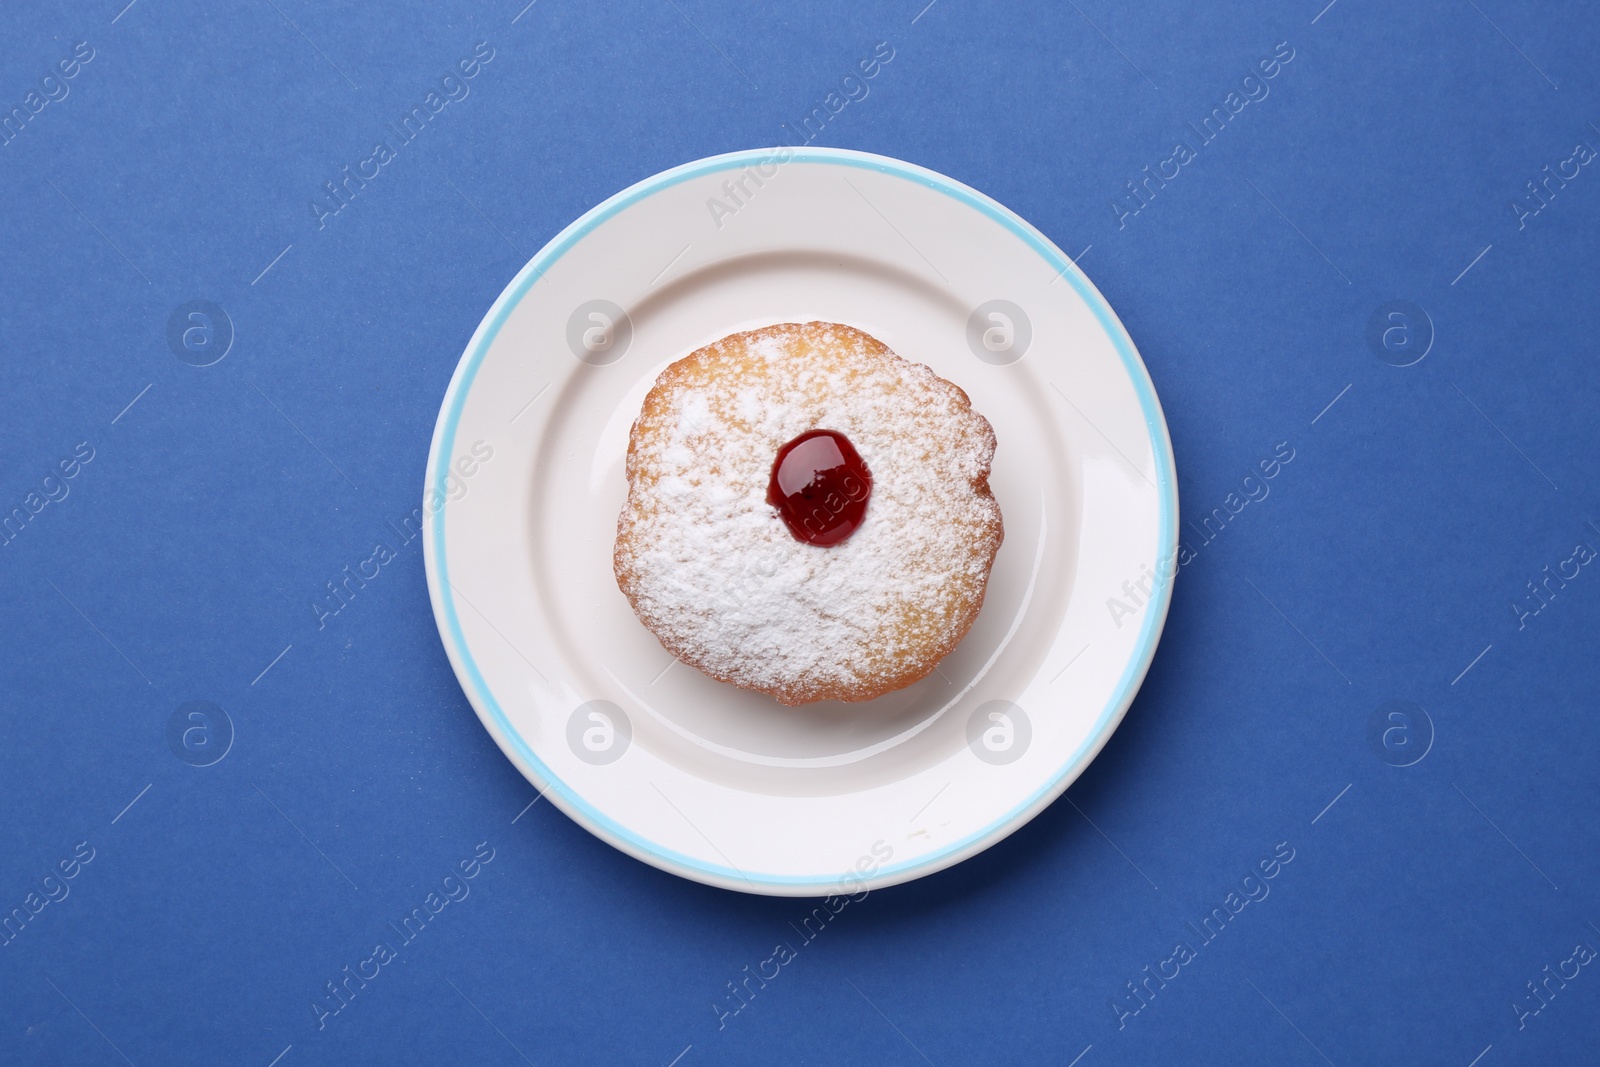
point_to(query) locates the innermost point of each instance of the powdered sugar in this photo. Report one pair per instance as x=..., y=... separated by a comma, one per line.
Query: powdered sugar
x=714, y=572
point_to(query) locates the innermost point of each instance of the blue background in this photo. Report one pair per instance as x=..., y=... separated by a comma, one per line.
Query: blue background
x=1383, y=566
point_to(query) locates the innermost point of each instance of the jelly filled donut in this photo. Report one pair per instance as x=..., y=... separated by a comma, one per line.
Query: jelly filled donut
x=808, y=514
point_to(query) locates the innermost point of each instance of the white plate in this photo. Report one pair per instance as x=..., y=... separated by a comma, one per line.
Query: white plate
x=725, y=786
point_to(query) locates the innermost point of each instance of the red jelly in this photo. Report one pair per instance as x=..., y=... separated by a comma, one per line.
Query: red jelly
x=820, y=486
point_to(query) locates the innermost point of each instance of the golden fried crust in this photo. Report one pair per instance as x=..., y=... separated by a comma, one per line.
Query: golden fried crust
x=712, y=570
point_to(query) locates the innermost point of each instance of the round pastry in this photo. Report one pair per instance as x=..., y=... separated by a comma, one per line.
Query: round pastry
x=808, y=514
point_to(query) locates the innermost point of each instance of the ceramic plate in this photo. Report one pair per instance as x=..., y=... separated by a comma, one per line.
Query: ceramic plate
x=525, y=481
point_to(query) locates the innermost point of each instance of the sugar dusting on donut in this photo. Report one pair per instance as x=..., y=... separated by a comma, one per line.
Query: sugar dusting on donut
x=712, y=570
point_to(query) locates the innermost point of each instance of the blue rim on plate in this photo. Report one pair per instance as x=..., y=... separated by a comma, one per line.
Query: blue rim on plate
x=571, y=802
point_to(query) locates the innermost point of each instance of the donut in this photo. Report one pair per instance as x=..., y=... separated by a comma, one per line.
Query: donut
x=808, y=514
